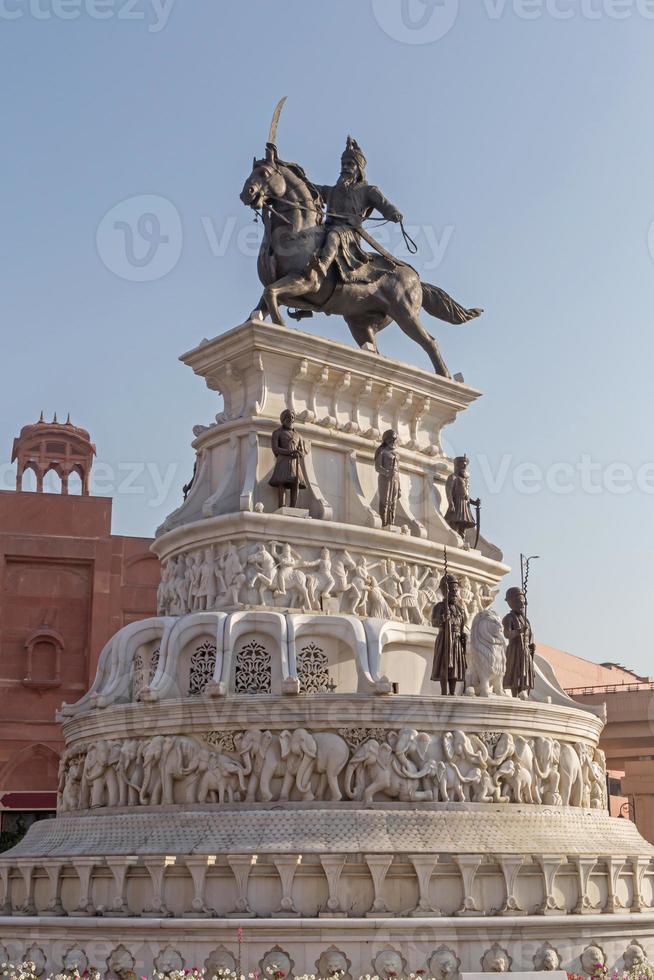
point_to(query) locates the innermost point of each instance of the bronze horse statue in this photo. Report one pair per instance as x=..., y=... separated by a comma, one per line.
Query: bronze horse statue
x=292, y=211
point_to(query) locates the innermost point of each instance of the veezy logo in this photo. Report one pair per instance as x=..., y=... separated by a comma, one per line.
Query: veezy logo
x=141, y=238
x=416, y=21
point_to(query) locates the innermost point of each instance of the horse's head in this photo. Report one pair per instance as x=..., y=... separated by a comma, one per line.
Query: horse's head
x=265, y=183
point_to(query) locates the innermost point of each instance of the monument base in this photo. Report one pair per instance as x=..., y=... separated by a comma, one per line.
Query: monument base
x=201, y=940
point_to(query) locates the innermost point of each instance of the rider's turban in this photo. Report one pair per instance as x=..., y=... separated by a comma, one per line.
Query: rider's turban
x=354, y=152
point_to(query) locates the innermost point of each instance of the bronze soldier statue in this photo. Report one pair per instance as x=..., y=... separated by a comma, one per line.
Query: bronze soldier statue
x=519, y=676
x=349, y=202
x=450, y=651
x=459, y=515
x=288, y=449
x=388, y=481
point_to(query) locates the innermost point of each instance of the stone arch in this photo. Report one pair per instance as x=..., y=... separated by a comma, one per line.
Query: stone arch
x=341, y=639
x=44, y=647
x=75, y=482
x=187, y=634
x=265, y=637
x=404, y=652
x=31, y=765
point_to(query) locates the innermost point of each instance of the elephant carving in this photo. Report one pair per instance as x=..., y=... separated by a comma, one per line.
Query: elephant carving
x=324, y=754
x=571, y=784
x=129, y=770
x=219, y=777
x=262, y=760
x=514, y=777
x=415, y=749
x=468, y=752
x=180, y=758
x=151, y=787
x=99, y=781
x=72, y=787
x=546, y=767
x=377, y=770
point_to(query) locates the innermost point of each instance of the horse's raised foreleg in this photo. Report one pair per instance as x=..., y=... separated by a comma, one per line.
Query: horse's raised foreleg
x=285, y=289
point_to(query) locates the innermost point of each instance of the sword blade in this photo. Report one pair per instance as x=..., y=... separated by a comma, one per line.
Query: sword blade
x=272, y=135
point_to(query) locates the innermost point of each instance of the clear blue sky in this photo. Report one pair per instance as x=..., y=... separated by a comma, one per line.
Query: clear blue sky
x=525, y=146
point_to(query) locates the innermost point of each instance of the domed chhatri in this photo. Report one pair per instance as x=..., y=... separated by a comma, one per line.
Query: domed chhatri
x=327, y=732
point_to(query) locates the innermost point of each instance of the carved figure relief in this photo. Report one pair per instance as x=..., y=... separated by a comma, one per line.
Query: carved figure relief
x=365, y=764
x=275, y=574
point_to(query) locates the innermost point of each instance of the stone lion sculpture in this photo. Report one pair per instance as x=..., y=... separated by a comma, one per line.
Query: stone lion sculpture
x=220, y=960
x=388, y=964
x=496, y=960
x=169, y=961
x=444, y=964
x=634, y=956
x=120, y=963
x=547, y=958
x=486, y=655
x=36, y=956
x=592, y=957
x=333, y=962
x=276, y=960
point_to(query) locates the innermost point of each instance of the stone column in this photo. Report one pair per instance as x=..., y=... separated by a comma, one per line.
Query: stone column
x=53, y=870
x=614, y=865
x=287, y=865
x=5, y=879
x=333, y=865
x=468, y=865
x=241, y=865
x=26, y=868
x=198, y=865
x=157, y=870
x=378, y=865
x=639, y=866
x=424, y=865
x=585, y=867
x=119, y=867
x=84, y=869
x=549, y=864
x=511, y=866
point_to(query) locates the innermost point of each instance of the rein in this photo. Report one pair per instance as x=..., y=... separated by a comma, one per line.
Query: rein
x=412, y=248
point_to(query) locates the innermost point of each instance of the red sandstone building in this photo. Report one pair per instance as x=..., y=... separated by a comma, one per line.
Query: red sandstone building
x=67, y=585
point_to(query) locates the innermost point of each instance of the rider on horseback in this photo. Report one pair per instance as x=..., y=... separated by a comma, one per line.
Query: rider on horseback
x=349, y=202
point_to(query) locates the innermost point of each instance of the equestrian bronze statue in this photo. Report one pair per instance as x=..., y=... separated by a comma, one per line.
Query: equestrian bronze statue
x=312, y=259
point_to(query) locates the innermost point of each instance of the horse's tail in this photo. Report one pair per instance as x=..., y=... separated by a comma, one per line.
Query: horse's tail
x=437, y=302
